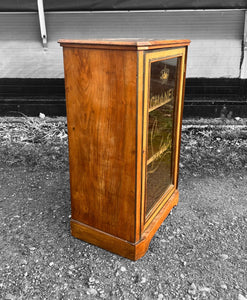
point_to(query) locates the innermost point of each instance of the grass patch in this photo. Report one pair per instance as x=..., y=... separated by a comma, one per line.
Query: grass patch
x=34, y=142
x=208, y=147
x=214, y=149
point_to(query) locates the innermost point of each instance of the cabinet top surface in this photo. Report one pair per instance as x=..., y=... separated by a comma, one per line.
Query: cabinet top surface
x=129, y=43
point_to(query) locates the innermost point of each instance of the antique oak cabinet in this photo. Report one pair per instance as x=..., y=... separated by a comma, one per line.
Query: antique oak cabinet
x=124, y=102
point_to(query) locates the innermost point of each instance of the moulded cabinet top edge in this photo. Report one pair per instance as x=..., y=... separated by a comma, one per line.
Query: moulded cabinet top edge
x=128, y=44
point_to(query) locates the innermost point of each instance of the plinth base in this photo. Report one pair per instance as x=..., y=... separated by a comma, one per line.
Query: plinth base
x=132, y=251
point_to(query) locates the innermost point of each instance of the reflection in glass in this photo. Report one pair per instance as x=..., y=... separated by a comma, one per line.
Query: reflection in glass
x=163, y=82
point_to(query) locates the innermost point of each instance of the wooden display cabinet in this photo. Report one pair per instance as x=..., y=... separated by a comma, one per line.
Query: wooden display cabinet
x=124, y=104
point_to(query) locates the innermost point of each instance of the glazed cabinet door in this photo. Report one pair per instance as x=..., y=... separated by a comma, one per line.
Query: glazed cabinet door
x=163, y=82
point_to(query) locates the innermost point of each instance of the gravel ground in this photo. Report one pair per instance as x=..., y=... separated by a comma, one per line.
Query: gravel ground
x=199, y=252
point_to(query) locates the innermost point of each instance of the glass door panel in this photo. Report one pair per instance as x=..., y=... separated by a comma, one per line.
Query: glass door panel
x=161, y=125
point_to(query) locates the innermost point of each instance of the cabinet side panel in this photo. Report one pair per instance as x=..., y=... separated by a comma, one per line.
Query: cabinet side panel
x=101, y=112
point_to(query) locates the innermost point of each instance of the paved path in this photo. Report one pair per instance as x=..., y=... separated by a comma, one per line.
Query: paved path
x=198, y=253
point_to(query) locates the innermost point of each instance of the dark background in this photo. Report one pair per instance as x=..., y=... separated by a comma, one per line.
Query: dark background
x=98, y=5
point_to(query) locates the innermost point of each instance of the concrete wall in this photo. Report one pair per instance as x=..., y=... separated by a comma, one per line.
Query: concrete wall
x=215, y=51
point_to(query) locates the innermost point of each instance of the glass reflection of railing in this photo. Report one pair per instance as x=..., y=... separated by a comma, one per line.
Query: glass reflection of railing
x=164, y=148
x=159, y=104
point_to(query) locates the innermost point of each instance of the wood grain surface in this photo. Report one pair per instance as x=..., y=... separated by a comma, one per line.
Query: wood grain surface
x=101, y=111
x=134, y=44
